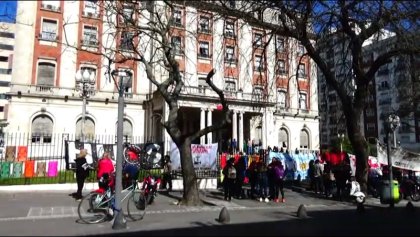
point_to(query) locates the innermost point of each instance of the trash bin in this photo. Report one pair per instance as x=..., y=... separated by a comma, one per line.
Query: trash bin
x=385, y=194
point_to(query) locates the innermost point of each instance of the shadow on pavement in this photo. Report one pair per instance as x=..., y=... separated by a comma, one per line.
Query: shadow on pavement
x=376, y=221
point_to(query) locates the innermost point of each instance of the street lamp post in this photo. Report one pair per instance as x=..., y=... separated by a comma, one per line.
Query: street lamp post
x=392, y=123
x=124, y=80
x=85, y=84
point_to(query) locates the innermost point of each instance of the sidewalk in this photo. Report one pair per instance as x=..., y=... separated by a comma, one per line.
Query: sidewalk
x=55, y=213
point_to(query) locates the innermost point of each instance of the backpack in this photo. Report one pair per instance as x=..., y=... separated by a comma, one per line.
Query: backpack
x=278, y=172
x=231, y=173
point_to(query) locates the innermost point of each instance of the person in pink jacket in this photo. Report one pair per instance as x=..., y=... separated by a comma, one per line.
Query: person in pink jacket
x=105, y=169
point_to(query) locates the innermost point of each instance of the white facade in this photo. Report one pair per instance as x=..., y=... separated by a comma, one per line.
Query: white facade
x=63, y=104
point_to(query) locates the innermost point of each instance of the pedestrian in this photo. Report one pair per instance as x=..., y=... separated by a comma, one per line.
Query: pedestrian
x=229, y=173
x=342, y=173
x=262, y=180
x=318, y=177
x=252, y=176
x=82, y=170
x=328, y=178
x=249, y=148
x=167, y=174
x=271, y=178
x=311, y=172
x=278, y=179
x=234, y=146
x=240, y=175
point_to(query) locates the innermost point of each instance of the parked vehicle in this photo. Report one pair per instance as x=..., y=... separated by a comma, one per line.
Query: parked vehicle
x=355, y=191
x=410, y=189
x=150, y=186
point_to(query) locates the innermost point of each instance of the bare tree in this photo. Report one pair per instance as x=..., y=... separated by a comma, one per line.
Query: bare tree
x=141, y=32
x=353, y=24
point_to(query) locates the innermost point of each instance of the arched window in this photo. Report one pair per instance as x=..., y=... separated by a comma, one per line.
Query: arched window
x=127, y=130
x=88, y=131
x=304, y=139
x=283, y=138
x=42, y=127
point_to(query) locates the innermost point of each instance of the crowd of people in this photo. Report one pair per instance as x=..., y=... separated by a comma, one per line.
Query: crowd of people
x=266, y=181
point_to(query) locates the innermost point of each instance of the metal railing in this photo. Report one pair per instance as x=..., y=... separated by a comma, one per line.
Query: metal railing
x=46, y=158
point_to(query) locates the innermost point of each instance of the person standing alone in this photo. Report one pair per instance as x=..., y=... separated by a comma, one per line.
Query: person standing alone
x=81, y=173
x=167, y=176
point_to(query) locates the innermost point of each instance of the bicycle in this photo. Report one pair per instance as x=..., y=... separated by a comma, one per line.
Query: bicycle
x=95, y=207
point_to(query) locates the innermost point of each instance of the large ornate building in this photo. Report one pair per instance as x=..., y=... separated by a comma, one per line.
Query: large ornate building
x=256, y=71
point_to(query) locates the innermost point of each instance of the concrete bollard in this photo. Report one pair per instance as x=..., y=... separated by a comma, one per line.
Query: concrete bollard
x=301, y=212
x=224, y=216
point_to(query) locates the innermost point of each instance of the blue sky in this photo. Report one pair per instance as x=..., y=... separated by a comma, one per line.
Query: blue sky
x=8, y=11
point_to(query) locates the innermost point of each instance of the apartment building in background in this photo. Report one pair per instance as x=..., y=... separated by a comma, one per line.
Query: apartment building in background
x=270, y=105
x=386, y=92
x=7, y=42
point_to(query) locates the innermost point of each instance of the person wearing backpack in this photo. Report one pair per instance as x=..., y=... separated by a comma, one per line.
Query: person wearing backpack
x=278, y=176
x=229, y=173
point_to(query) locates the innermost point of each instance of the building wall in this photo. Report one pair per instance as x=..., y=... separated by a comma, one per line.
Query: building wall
x=63, y=103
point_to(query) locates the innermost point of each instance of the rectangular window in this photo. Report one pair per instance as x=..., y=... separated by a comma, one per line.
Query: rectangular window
x=302, y=101
x=46, y=74
x=204, y=49
x=281, y=67
x=4, y=59
x=7, y=35
x=279, y=44
x=90, y=7
x=258, y=40
x=230, y=54
x=204, y=25
x=176, y=44
x=6, y=47
x=128, y=11
x=177, y=18
x=229, y=29
x=90, y=34
x=49, y=30
x=230, y=86
x=302, y=71
x=281, y=99
x=127, y=40
x=258, y=63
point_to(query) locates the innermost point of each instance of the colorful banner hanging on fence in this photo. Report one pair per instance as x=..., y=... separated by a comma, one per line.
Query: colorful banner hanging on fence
x=203, y=156
x=296, y=164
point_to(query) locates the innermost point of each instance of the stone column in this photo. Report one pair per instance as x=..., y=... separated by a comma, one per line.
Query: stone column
x=209, y=123
x=241, y=131
x=234, y=128
x=202, y=125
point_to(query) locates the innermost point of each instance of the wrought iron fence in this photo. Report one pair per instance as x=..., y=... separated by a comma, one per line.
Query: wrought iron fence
x=44, y=158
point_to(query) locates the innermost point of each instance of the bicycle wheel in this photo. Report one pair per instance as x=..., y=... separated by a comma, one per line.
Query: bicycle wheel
x=93, y=208
x=131, y=156
x=136, y=205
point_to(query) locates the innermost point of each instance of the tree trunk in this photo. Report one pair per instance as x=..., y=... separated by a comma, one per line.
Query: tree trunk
x=359, y=145
x=191, y=195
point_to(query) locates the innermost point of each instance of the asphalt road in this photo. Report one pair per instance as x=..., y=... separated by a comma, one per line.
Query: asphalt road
x=55, y=213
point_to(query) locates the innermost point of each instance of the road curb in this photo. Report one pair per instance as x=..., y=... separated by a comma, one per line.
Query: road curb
x=71, y=187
